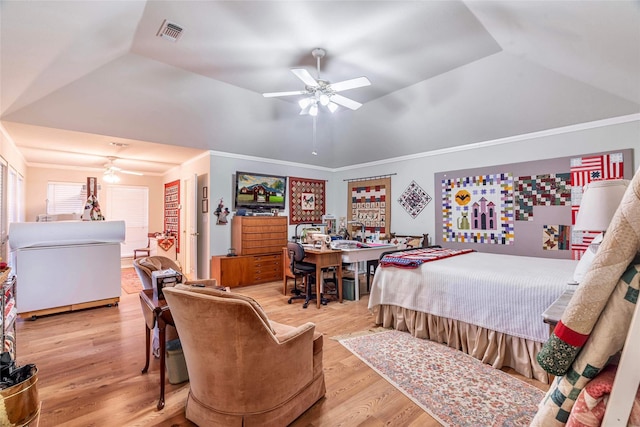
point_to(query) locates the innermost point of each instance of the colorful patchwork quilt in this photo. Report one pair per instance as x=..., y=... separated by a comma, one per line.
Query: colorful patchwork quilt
x=594, y=326
x=592, y=402
x=416, y=257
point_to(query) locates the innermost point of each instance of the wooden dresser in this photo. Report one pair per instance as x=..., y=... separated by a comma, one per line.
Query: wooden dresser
x=258, y=241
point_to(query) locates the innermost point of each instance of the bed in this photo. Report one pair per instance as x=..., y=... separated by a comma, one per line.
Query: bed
x=487, y=305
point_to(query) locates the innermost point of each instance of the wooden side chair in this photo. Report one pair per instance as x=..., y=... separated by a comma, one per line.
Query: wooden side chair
x=144, y=251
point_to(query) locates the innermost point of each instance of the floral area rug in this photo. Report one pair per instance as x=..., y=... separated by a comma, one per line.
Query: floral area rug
x=130, y=281
x=453, y=387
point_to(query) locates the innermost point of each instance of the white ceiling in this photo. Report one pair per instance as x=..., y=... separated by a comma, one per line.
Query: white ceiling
x=76, y=76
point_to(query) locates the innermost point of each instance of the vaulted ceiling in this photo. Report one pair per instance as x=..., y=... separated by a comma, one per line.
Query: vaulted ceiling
x=77, y=76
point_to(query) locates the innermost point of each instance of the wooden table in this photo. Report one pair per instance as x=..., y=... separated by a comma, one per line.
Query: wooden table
x=354, y=256
x=324, y=259
x=156, y=311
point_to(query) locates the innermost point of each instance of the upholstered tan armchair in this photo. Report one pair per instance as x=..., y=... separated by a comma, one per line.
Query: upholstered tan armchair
x=244, y=369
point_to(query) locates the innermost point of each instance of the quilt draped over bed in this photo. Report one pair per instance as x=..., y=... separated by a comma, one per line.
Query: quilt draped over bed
x=594, y=326
x=417, y=257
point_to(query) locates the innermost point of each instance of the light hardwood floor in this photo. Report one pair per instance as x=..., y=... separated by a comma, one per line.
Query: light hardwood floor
x=89, y=366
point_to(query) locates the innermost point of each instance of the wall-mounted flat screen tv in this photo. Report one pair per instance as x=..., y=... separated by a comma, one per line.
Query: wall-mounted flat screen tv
x=260, y=192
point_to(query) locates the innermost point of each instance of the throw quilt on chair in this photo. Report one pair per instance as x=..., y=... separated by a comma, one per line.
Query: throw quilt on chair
x=595, y=324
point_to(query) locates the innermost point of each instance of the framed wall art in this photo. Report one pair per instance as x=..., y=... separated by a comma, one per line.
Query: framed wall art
x=172, y=210
x=306, y=200
x=367, y=204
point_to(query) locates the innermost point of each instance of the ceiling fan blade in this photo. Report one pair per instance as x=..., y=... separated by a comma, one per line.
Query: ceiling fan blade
x=350, y=84
x=293, y=92
x=345, y=102
x=131, y=172
x=304, y=75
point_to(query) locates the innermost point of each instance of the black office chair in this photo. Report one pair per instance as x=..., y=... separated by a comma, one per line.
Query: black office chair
x=305, y=269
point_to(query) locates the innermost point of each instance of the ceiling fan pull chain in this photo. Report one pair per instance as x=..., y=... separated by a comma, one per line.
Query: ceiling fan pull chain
x=314, y=152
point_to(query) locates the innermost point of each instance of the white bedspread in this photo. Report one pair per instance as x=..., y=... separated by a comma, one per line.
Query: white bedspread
x=504, y=293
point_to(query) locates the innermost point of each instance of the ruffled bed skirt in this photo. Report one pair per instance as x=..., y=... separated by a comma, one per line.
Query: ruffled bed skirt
x=494, y=348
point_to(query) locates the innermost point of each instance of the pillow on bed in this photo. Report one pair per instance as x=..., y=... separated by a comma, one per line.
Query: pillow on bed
x=587, y=259
x=406, y=242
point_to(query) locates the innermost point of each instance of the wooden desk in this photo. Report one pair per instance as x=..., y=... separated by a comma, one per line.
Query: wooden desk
x=324, y=259
x=155, y=310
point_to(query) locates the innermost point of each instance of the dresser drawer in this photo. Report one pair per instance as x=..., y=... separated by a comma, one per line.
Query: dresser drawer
x=267, y=268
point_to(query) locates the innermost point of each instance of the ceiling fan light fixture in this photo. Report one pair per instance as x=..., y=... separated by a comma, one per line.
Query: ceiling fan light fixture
x=332, y=106
x=111, y=177
x=324, y=99
x=313, y=110
x=305, y=103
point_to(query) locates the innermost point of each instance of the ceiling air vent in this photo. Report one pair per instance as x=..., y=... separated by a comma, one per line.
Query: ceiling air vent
x=170, y=31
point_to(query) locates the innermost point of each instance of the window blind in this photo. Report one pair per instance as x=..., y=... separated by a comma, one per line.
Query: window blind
x=65, y=198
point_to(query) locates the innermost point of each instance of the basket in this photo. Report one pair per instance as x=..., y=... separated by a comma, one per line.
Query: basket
x=19, y=404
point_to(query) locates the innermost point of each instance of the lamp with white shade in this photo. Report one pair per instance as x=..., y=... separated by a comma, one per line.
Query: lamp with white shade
x=599, y=203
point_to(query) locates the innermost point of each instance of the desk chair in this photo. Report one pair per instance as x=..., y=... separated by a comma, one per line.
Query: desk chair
x=306, y=270
x=287, y=274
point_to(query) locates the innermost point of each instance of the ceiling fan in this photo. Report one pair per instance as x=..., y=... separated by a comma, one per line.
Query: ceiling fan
x=111, y=171
x=322, y=92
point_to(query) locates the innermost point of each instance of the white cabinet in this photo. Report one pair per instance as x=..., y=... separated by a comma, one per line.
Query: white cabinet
x=65, y=266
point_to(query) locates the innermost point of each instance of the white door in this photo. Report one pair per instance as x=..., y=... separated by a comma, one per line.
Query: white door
x=191, y=215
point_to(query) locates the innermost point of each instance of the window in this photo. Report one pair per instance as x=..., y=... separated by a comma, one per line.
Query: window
x=3, y=210
x=130, y=204
x=14, y=196
x=65, y=198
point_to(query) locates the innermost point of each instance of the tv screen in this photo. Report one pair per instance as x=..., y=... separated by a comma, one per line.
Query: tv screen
x=260, y=192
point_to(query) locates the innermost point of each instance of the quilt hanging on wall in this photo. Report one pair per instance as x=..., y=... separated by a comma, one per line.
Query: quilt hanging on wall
x=478, y=209
x=172, y=211
x=540, y=190
x=583, y=171
x=414, y=199
x=368, y=203
x=306, y=200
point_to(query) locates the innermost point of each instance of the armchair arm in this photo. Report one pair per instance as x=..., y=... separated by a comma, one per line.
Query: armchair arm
x=285, y=333
x=206, y=282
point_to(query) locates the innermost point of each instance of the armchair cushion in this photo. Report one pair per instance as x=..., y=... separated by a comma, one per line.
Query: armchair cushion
x=224, y=294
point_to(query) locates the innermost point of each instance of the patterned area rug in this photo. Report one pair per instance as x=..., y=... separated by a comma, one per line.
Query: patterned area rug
x=130, y=281
x=453, y=387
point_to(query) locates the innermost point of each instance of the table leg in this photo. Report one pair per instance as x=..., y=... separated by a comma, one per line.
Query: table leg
x=319, y=278
x=356, y=281
x=148, y=350
x=339, y=284
x=284, y=284
x=163, y=346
